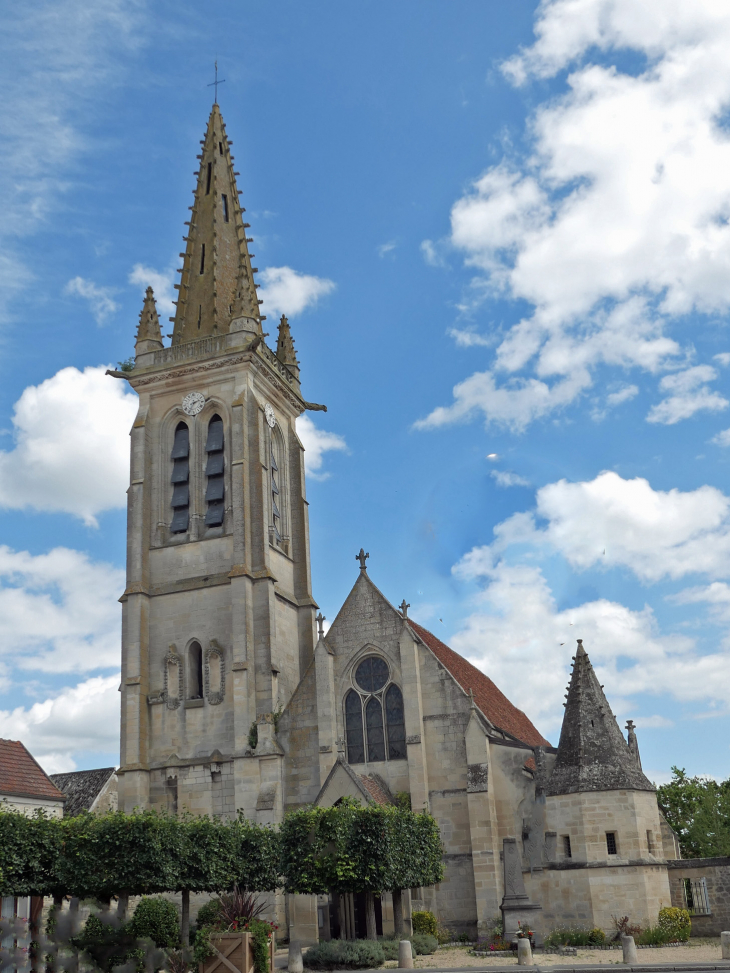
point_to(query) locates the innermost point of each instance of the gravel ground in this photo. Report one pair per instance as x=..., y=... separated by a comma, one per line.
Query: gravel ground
x=696, y=951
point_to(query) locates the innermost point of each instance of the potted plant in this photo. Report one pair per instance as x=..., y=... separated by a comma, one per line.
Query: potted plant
x=230, y=933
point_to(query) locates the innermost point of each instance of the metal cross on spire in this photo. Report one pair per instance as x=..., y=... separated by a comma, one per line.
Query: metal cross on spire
x=361, y=557
x=214, y=84
x=404, y=606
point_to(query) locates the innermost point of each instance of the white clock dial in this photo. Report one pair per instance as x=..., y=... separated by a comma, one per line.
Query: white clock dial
x=193, y=403
x=270, y=415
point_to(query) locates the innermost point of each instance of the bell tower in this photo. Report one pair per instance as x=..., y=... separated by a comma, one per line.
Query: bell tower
x=218, y=614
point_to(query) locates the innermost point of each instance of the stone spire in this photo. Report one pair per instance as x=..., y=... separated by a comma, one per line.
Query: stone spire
x=285, y=351
x=217, y=292
x=592, y=753
x=149, y=336
x=633, y=742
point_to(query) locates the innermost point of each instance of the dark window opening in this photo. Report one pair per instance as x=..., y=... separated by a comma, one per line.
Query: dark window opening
x=396, y=724
x=372, y=674
x=611, y=842
x=200, y=314
x=566, y=846
x=374, y=726
x=220, y=148
x=195, y=671
x=353, y=728
x=207, y=183
x=214, y=468
x=224, y=200
x=275, y=512
x=202, y=258
x=180, y=480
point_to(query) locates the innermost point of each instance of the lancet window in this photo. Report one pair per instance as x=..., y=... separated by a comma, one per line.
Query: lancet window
x=214, y=467
x=276, y=499
x=374, y=720
x=195, y=671
x=180, y=480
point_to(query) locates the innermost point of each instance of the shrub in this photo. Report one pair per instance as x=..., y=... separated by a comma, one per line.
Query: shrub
x=390, y=949
x=339, y=954
x=575, y=936
x=624, y=928
x=209, y=914
x=424, y=922
x=676, y=922
x=443, y=935
x=108, y=945
x=156, y=919
x=239, y=907
x=423, y=943
x=652, y=936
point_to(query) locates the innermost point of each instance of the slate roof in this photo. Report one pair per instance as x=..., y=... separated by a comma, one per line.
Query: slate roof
x=22, y=776
x=490, y=700
x=592, y=754
x=82, y=787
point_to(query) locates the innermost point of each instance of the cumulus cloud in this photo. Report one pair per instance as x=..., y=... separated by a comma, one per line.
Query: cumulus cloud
x=689, y=393
x=614, y=225
x=161, y=283
x=432, y=254
x=59, y=611
x=285, y=291
x=71, y=445
x=722, y=438
x=100, y=301
x=614, y=522
x=624, y=394
x=316, y=443
x=466, y=338
x=82, y=717
x=505, y=479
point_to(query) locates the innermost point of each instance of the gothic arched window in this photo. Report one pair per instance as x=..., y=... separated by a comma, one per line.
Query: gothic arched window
x=180, y=480
x=215, y=489
x=277, y=485
x=374, y=720
x=195, y=671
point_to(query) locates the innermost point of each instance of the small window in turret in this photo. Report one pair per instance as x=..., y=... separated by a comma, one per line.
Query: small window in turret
x=210, y=173
x=611, y=847
x=224, y=200
x=202, y=258
x=566, y=846
x=220, y=148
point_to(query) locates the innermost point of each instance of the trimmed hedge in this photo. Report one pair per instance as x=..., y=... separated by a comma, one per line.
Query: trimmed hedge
x=340, y=954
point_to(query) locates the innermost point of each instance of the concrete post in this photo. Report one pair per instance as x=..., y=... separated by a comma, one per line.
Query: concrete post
x=524, y=952
x=295, y=964
x=629, y=946
x=725, y=943
x=405, y=955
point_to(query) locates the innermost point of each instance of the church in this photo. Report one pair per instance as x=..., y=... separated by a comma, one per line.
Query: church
x=233, y=696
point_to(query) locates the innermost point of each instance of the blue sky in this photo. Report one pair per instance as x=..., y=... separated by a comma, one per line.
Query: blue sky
x=502, y=236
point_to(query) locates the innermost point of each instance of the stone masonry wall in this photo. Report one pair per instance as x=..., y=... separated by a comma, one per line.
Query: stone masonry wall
x=716, y=873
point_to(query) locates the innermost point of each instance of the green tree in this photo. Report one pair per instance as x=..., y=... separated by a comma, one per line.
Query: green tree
x=698, y=810
x=30, y=851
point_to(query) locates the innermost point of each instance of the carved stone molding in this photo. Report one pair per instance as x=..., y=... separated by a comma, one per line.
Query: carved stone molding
x=214, y=696
x=413, y=738
x=172, y=658
x=477, y=778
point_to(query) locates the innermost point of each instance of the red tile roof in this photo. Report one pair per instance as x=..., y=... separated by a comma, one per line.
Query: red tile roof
x=21, y=776
x=376, y=788
x=493, y=703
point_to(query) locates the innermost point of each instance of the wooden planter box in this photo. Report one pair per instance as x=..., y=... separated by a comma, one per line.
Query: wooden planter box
x=234, y=954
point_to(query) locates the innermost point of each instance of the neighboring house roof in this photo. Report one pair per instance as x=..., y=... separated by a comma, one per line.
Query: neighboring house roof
x=490, y=700
x=22, y=776
x=82, y=787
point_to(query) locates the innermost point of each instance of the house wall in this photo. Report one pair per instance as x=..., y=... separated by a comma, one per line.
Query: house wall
x=716, y=873
x=29, y=805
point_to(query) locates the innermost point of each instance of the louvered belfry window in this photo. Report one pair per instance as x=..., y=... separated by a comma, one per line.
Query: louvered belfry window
x=215, y=488
x=180, y=480
x=275, y=495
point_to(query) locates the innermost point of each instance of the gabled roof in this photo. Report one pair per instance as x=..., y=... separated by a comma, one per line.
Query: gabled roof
x=592, y=754
x=81, y=787
x=490, y=700
x=22, y=776
x=371, y=787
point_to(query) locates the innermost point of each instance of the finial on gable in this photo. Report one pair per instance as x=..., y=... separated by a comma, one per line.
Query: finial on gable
x=404, y=606
x=320, y=624
x=362, y=557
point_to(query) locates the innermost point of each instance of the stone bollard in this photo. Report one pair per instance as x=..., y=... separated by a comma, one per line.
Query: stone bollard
x=295, y=964
x=725, y=943
x=524, y=952
x=629, y=946
x=405, y=955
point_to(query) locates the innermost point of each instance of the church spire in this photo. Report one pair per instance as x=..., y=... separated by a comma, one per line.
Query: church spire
x=285, y=351
x=149, y=336
x=592, y=753
x=217, y=291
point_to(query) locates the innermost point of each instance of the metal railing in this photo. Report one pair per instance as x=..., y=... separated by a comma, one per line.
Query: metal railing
x=695, y=896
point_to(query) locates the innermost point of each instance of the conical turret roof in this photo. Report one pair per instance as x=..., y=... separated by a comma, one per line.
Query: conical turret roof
x=149, y=325
x=285, y=350
x=217, y=284
x=592, y=754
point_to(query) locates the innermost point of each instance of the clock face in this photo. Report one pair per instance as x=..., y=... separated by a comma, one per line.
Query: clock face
x=193, y=403
x=270, y=415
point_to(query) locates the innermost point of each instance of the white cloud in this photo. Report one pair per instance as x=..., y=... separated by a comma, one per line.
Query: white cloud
x=161, y=283
x=59, y=611
x=316, y=443
x=432, y=254
x=614, y=226
x=689, y=394
x=625, y=394
x=517, y=627
x=72, y=445
x=614, y=522
x=509, y=479
x=722, y=438
x=82, y=717
x=285, y=291
x=385, y=248
x=99, y=299
x=469, y=339
x=723, y=358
